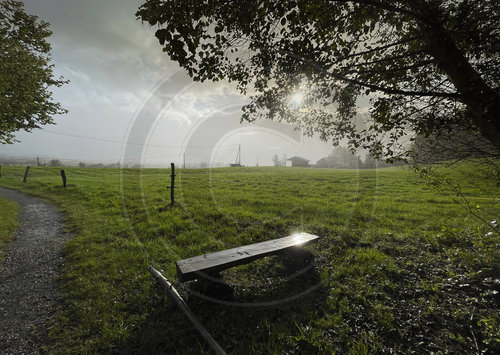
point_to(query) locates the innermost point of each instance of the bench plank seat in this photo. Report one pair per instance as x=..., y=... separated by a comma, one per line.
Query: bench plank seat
x=192, y=268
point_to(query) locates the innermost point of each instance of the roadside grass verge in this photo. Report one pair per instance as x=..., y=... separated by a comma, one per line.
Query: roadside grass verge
x=398, y=267
x=8, y=222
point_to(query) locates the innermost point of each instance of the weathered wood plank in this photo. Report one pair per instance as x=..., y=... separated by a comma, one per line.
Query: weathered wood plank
x=192, y=268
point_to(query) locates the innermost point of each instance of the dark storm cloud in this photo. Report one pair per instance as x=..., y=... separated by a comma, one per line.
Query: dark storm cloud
x=103, y=41
x=113, y=62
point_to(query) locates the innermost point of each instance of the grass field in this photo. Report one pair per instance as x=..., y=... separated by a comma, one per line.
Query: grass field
x=8, y=222
x=398, y=267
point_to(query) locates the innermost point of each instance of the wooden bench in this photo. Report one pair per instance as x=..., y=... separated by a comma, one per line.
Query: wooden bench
x=192, y=268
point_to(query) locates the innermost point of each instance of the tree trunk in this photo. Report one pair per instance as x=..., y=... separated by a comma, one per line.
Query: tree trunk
x=481, y=100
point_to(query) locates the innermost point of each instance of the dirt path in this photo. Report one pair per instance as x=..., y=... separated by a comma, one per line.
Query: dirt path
x=29, y=292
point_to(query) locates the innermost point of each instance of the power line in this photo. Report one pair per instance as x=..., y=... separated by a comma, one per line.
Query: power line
x=86, y=137
x=127, y=143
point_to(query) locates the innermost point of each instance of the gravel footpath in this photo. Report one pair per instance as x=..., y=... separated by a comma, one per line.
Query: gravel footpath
x=29, y=292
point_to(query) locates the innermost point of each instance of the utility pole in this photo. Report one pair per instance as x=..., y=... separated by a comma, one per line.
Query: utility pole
x=257, y=160
x=238, y=156
x=184, y=161
x=237, y=163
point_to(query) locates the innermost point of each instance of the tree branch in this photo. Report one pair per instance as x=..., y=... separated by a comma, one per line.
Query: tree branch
x=380, y=5
x=368, y=85
x=393, y=70
x=378, y=48
x=387, y=59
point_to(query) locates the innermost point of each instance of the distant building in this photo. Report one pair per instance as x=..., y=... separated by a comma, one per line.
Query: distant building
x=96, y=166
x=114, y=165
x=327, y=162
x=299, y=161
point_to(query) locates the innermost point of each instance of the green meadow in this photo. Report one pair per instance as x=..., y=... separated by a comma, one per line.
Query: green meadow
x=402, y=265
x=8, y=222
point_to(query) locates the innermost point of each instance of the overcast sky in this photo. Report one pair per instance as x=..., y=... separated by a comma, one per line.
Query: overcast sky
x=128, y=102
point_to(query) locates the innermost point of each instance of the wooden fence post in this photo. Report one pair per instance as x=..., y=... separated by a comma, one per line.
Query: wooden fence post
x=172, y=184
x=26, y=173
x=63, y=175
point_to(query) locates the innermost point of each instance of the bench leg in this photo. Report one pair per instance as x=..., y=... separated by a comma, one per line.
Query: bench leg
x=296, y=259
x=213, y=286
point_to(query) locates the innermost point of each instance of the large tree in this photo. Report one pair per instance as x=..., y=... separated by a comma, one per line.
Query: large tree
x=25, y=72
x=421, y=66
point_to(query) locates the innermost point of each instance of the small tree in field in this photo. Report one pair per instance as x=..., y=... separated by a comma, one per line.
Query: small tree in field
x=55, y=162
x=25, y=72
x=277, y=161
x=346, y=158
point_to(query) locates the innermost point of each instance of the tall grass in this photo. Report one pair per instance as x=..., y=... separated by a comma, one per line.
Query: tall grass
x=8, y=222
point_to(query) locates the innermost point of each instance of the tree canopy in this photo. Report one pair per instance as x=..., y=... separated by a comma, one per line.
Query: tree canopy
x=25, y=72
x=421, y=66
